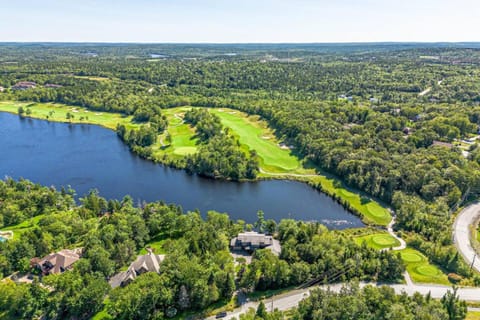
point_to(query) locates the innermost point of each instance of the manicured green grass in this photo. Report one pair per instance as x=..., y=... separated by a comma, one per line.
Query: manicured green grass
x=252, y=133
x=371, y=211
x=156, y=244
x=420, y=269
x=21, y=228
x=256, y=134
x=473, y=315
x=57, y=112
x=92, y=78
x=378, y=241
x=182, y=135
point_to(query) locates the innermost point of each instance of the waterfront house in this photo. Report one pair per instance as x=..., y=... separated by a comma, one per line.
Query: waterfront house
x=250, y=241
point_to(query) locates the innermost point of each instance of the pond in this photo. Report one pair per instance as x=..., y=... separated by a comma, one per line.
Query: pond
x=87, y=157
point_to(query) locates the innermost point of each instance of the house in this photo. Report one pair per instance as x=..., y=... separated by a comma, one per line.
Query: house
x=58, y=262
x=6, y=235
x=250, y=241
x=146, y=263
x=52, y=86
x=442, y=144
x=24, y=85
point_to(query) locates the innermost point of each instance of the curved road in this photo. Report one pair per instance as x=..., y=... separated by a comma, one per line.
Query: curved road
x=461, y=234
x=292, y=299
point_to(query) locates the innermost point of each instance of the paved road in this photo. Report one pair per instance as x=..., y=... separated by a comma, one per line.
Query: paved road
x=293, y=298
x=461, y=239
x=461, y=234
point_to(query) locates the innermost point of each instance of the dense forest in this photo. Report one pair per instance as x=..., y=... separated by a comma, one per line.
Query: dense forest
x=198, y=269
x=397, y=121
x=367, y=303
x=389, y=120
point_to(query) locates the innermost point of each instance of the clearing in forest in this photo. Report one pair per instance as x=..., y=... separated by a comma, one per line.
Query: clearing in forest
x=58, y=112
x=255, y=133
x=420, y=269
x=378, y=241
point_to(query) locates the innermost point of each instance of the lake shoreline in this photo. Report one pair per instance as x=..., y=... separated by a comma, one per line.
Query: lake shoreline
x=319, y=185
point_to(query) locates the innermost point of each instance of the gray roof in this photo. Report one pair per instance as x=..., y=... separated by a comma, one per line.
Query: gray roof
x=251, y=240
x=146, y=263
x=254, y=238
x=60, y=261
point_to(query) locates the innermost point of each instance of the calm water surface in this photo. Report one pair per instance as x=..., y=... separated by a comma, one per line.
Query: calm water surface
x=87, y=157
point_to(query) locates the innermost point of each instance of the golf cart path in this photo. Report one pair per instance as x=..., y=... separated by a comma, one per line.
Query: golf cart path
x=403, y=244
x=467, y=217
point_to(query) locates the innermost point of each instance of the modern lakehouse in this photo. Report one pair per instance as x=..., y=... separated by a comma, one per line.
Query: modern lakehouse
x=250, y=241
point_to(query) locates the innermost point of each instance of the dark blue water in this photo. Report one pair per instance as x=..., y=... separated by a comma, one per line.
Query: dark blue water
x=87, y=157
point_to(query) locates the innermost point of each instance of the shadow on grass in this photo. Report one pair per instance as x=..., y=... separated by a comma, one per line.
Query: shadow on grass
x=364, y=200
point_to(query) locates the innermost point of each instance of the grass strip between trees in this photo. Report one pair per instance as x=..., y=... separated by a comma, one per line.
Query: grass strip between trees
x=253, y=133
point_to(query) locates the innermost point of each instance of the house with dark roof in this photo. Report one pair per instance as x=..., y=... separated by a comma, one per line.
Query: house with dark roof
x=250, y=241
x=58, y=262
x=147, y=263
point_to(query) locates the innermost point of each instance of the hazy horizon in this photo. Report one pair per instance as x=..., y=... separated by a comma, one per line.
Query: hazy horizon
x=249, y=21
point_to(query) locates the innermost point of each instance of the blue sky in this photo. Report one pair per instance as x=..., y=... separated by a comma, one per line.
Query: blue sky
x=239, y=21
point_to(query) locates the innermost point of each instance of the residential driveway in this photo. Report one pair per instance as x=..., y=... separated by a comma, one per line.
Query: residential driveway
x=461, y=234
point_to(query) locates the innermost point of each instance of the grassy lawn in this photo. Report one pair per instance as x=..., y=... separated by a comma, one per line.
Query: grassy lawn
x=420, y=269
x=26, y=225
x=371, y=210
x=58, y=112
x=256, y=134
x=93, y=78
x=378, y=241
x=156, y=244
x=473, y=315
x=183, y=136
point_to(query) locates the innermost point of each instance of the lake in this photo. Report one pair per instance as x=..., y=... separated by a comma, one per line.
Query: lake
x=87, y=157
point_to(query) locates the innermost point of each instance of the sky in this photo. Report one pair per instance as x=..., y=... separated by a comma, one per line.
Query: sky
x=240, y=21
